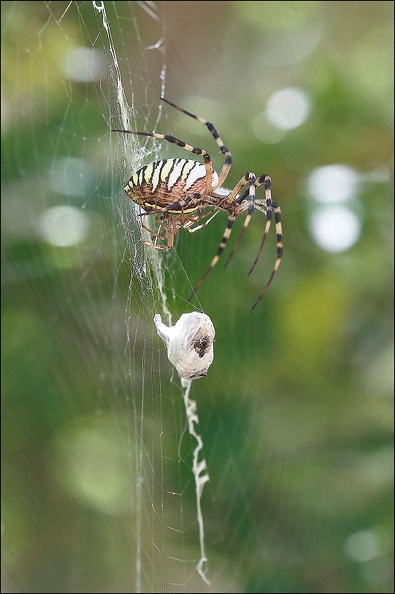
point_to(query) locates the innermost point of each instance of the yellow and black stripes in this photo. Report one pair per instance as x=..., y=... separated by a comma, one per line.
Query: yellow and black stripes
x=209, y=172
x=161, y=184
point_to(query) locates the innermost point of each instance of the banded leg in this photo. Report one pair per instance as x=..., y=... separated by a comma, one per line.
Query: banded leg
x=217, y=256
x=279, y=234
x=249, y=177
x=250, y=210
x=268, y=208
x=251, y=205
x=228, y=157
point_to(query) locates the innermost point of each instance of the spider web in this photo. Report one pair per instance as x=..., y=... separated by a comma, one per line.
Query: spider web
x=104, y=498
x=103, y=80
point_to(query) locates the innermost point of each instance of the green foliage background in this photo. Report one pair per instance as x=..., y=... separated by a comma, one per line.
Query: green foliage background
x=297, y=411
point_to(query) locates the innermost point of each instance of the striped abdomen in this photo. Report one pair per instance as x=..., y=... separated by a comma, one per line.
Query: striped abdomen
x=163, y=183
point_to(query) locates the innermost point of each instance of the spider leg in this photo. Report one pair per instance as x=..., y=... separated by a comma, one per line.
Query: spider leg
x=279, y=234
x=158, y=236
x=221, y=247
x=169, y=232
x=268, y=207
x=251, y=202
x=176, y=206
x=187, y=227
x=279, y=256
x=269, y=215
x=228, y=157
x=227, y=204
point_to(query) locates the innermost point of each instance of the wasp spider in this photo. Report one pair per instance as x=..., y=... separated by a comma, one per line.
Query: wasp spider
x=182, y=192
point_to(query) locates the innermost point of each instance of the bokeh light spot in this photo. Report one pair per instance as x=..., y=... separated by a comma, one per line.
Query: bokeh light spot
x=288, y=108
x=333, y=183
x=84, y=64
x=334, y=228
x=63, y=226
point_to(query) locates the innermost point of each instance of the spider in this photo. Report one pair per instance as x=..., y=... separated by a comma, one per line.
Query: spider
x=182, y=192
